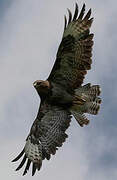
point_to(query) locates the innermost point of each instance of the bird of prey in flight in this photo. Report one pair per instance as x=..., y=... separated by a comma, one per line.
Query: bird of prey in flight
x=62, y=93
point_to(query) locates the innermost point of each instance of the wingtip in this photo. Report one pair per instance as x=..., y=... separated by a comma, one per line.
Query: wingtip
x=65, y=24
x=33, y=169
x=27, y=167
x=70, y=15
x=90, y=10
x=82, y=12
x=88, y=15
x=76, y=4
x=33, y=174
x=19, y=156
x=76, y=12
x=16, y=169
x=24, y=173
x=84, y=5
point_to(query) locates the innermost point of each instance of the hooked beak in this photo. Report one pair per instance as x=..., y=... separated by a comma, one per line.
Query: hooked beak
x=41, y=83
x=34, y=84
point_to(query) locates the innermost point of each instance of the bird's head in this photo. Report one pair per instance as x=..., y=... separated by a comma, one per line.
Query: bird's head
x=42, y=87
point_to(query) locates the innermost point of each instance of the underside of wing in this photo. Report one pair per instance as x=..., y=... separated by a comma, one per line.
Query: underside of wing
x=46, y=135
x=75, y=51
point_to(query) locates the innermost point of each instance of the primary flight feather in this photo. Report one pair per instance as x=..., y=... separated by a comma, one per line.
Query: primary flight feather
x=62, y=94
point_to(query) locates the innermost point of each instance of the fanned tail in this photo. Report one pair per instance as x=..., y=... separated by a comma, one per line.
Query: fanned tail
x=86, y=100
x=80, y=117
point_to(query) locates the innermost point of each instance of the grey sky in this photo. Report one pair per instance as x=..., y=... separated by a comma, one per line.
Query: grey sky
x=30, y=34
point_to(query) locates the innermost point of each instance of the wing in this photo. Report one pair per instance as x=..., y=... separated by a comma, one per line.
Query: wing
x=74, y=53
x=46, y=135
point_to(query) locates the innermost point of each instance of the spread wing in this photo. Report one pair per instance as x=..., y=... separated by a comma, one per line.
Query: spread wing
x=74, y=53
x=46, y=135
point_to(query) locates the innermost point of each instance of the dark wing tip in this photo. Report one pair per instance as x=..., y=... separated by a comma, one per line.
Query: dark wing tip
x=27, y=167
x=82, y=12
x=65, y=22
x=33, y=169
x=70, y=15
x=36, y=166
x=76, y=12
x=76, y=4
x=84, y=6
x=88, y=15
x=18, y=157
x=22, y=163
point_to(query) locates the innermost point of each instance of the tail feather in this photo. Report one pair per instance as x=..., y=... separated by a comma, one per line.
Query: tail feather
x=92, y=107
x=98, y=100
x=88, y=95
x=80, y=118
x=89, y=91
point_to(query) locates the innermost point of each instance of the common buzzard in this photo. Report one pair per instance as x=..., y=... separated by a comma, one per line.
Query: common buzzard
x=63, y=94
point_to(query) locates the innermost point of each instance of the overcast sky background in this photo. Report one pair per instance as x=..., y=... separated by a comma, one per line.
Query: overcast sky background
x=30, y=33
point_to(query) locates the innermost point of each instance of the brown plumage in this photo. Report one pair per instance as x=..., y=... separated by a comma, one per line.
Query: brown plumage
x=62, y=94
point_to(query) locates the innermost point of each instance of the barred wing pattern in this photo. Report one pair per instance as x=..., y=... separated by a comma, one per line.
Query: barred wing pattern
x=74, y=53
x=46, y=135
x=72, y=62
